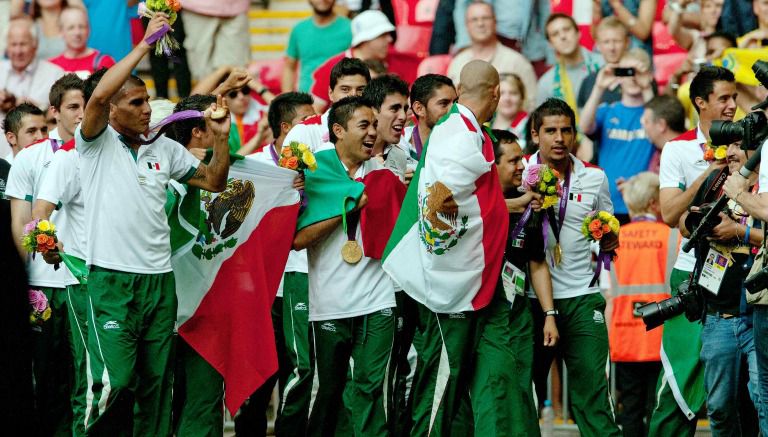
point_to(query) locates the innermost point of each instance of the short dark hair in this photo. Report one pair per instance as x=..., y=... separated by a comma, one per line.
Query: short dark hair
x=132, y=81
x=703, y=84
x=552, y=106
x=557, y=16
x=670, y=110
x=90, y=83
x=342, y=111
x=283, y=109
x=68, y=82
x=378, y=89
x=181, y=131
x=12, y=122
x=349, y=67
x=502, y=136
x=723, y=35
x=424, y=87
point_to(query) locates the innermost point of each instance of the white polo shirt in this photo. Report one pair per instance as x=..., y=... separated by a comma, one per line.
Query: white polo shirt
x=588, y=192
x=125, y=193
x=763, y=177
x=338, y=290
x=682, y=161
x=61, y=186
x=24, y=182
x=313, y=132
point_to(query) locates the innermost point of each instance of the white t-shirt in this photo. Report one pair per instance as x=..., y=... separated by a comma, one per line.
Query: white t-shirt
x=313, y=132
x=125, y=193
x=24, y=181
x=61, y=186
x=588, y=192
x=338, y=290
x=682, y=161
x=763, y=178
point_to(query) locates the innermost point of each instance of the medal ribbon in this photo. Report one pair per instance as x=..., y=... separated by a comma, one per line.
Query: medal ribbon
x=417, y=141
x=557, y=225
x=354, y=216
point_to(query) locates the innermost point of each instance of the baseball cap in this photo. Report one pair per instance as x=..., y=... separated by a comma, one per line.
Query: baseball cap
x=368, y=26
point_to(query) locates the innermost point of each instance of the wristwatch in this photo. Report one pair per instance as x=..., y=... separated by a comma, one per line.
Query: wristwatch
x=552, y=312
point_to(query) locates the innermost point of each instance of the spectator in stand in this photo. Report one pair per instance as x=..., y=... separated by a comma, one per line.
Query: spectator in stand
x=443, y=29
x=636, y=15
x=624, y=151
x=663, y=120
x=692, y=39
x=77, y=56
x=573, y=62
x=514, y=21
x=480, y=21
x=612, y=41
x=757, y=37
x=161, y=66
x=46, y=15
x=219, y=34
x=303, y=49
x=111, y=26
x=510, y=114
x=738, y=17
x=371, y=39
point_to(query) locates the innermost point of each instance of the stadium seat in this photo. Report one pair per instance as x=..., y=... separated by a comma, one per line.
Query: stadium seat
x=437, y=64
x=413, y=20
x=665, y=65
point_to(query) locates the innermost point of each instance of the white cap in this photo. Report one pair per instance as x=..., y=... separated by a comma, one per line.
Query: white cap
x=368, y=26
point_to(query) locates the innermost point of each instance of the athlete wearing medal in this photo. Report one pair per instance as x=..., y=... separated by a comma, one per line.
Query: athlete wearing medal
x=351, y=298
x=581, y=320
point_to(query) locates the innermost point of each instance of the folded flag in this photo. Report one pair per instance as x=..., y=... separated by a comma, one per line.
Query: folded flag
x=229, y=253
x=448, y=244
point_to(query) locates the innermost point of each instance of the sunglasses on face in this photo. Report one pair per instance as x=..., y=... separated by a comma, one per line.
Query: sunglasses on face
x=246, y=91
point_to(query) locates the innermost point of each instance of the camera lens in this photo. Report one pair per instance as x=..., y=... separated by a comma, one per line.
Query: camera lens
x=761, y=71
x=725, y=132
x=656, y=313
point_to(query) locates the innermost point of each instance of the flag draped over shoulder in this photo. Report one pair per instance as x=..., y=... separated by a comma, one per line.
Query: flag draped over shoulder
x=331, y=192
x=740, y=61
x=229, y=253
x=450, y=262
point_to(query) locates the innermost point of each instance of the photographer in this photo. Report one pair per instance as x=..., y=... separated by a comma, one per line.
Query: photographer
x=723, y=260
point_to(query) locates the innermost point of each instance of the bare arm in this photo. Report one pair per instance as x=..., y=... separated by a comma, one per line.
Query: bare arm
x=213, y=177
x=315, y=233
x=675, y=201
x=21, y=214
x=209, y=83
x=236, y=78
x=288, y=82
x=639, y=26
x=97, y=110
x=542, y=286
x=683, y=37
x=42, y=209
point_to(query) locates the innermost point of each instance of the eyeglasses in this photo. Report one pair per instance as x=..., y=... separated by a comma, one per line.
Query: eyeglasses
x=246, y=91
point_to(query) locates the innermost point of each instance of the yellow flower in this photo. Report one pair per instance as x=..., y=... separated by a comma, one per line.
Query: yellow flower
x=46, y=314
x=44, y=225
x=614, y=224
x=721, y=152
x=308, y=158
x=303, y=147
x=604, y=215
x=32, y=318
x=549, y=202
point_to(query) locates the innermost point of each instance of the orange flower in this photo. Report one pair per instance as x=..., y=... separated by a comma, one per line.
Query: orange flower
x=595, y=225
x=175, y=5
x=709, y=155
x=293, y=163
x=606, y=228
x=41, y=238
x=598, y=234
x=51, y=243
x=287, y=152
x=555, y=172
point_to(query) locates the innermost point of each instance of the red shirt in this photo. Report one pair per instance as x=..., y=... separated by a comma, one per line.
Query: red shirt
x=86, y=64
x=402, y=64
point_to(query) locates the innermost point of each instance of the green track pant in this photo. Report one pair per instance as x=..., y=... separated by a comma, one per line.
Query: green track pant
x=297, y=389
x=53, y=367
x=501, y=390
x=584, y=348
x=130, y=347
x=198, y=395
x=681, y=346
x=406, y=314
x=367, y=340
x=77, y=301
x=441, y=404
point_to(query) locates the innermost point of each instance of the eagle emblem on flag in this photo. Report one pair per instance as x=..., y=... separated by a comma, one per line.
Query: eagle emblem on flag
x=439, y=226
x=225, y=214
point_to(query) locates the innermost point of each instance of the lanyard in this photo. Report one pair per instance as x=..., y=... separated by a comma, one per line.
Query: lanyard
x=273, y=153
x=557, y=225
x=417, y=140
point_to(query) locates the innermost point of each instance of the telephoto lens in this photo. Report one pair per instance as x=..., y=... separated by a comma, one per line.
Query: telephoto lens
x=654, y=314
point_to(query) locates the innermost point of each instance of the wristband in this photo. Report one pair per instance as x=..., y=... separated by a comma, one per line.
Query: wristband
x=746, y=235
x=552, y=312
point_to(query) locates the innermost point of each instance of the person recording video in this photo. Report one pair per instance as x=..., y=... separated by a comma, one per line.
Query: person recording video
x=724, y=256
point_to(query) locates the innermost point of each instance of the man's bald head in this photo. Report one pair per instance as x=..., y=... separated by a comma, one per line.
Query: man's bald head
x=479, y=88
x=21, y=42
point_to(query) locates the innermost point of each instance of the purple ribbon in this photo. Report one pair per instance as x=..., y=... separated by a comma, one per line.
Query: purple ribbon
x=155, y=37
x=521, y=223
x=165, y=123
x=603, y=261
x=417, y=140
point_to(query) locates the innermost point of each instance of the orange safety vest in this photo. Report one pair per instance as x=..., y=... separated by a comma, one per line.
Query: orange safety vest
x=640, y=275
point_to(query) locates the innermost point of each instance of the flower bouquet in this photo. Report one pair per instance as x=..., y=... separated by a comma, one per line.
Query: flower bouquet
x=166, y=44
x=715, y=153
x=41, y=310
x=596, y=225
x=544, y=180
x=39, y=236
x=297, y=156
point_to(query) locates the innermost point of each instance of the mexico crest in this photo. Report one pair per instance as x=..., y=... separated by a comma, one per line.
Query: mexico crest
x=222, y=215
x=440, y=228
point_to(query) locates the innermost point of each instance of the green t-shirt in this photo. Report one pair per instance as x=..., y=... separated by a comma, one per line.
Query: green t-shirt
x=312, y=45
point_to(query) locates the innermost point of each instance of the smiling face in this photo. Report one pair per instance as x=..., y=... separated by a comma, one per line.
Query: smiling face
x=130, y=112
x=32, y=128
x=355, y=140
x=391, y=118
x=510, y=166
x=736, y=157
x=720, y=104
x=555, y=138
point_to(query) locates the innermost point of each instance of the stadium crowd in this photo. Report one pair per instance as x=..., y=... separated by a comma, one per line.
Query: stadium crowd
x=449, y=295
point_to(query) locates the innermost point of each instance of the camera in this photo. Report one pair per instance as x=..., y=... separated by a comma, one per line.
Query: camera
x=752, y=129
x=688, y=301
x=623, y=71
x=758, y=281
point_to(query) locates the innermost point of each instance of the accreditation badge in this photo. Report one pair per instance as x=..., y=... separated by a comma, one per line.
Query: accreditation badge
x=513, y=280
x=713, y=270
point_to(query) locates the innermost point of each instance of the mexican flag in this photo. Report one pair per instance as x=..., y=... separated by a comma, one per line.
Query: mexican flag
x=229, y=252
x=330, y=192
x=451, y=262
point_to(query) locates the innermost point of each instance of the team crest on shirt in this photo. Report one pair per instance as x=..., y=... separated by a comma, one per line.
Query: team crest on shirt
x=224, y=214
x=440, y=231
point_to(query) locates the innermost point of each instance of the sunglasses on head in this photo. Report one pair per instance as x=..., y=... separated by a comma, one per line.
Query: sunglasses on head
x=246, y=91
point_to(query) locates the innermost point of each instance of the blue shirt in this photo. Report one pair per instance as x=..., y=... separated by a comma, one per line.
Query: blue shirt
x=110, y=27
x=624, y=148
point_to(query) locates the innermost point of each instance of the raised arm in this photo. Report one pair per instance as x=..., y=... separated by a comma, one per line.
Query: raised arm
x=213, y=176
x=97, y=110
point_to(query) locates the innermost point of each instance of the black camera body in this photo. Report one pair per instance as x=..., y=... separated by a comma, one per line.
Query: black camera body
x=758, y=281
x=688, y=301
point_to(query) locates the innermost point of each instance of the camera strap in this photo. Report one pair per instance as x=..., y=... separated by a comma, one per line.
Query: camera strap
x=716, y=186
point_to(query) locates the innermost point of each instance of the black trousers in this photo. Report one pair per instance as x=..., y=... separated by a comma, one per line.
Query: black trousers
x=636, y=385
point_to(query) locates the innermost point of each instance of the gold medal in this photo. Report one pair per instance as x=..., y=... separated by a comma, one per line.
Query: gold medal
x=558, y=255
x=351, y=252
